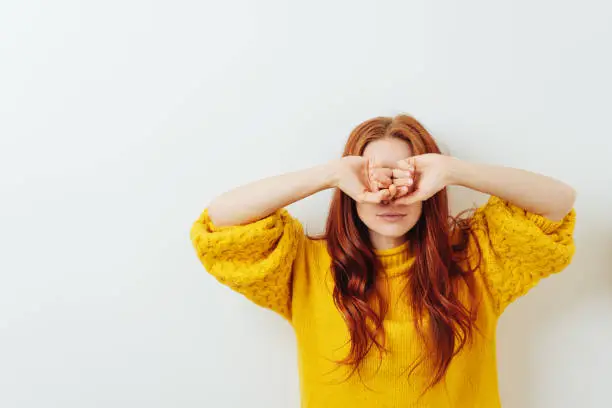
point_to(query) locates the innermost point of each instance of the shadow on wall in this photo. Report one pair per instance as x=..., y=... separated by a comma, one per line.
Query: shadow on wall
x=544, y=331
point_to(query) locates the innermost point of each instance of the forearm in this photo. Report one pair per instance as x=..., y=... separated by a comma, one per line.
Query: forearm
x=260, y=198
x=534, y=192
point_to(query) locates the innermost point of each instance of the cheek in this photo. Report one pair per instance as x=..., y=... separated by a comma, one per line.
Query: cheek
x=414, y=213
x=367, y=212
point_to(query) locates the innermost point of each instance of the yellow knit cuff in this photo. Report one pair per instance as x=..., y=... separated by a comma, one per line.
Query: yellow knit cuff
x=265, y=223
x=545, y=224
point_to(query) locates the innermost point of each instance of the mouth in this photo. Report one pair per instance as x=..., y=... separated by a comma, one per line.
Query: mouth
x=391, y=216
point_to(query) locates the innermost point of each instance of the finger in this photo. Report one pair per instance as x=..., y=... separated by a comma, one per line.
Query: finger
x=401, y=191
x=377, y=197
x=403, y=181
x=380, y=169
x=406, y=164
x=372, y=185
x=382, y=185
x=400, y=173
x=385, y=171
x=412, y=198
x=392, y=190
x=374, y=162
x=381, y=177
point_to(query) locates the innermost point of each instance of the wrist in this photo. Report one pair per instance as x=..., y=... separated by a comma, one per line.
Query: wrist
x=331, y=173
x=456, y=170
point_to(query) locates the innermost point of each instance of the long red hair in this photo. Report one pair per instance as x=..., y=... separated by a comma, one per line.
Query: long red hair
x=435, y=276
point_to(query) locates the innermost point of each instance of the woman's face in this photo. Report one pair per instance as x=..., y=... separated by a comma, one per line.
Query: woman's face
x=385, y=233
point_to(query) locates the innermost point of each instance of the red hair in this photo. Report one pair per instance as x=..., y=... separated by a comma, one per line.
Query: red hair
x=435, y=276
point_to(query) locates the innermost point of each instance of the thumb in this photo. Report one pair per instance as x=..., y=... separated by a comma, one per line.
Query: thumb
x=415, y=196
x=374, y=197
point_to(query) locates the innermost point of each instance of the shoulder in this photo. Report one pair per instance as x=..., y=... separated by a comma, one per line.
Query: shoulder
x=314, y=253
x=311, y=277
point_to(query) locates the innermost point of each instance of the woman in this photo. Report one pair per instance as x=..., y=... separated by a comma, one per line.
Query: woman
x=396, y=304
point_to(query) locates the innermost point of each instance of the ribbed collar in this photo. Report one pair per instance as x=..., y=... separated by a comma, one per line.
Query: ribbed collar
x=395, y=260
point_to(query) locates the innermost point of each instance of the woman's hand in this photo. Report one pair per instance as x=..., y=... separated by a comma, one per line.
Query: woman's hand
x=363, y=180
x=420, y=177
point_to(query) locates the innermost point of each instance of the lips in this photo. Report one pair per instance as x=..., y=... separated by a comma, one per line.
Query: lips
x=391, y=216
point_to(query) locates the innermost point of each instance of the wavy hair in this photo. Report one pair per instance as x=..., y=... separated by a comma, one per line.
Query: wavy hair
x=439, y=242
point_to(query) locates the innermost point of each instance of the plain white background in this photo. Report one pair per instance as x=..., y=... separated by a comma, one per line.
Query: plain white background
x=121, y=120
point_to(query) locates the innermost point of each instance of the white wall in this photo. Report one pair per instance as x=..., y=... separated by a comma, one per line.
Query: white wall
x=120, y=120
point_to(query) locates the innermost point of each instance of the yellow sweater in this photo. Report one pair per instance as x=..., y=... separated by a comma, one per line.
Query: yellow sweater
x=272, y=262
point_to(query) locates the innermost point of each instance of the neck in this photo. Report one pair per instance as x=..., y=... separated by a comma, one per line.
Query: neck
x=382, y=242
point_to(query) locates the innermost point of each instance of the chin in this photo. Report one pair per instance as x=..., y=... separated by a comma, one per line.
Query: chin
x=389, y=227
x=393, y=231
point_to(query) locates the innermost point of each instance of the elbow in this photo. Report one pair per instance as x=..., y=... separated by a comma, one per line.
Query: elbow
x=213, y=215
x=565, y=201
x=569, y=199
x=219, y=213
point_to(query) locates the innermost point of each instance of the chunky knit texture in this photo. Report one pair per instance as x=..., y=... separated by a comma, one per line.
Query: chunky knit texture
x=272, y=262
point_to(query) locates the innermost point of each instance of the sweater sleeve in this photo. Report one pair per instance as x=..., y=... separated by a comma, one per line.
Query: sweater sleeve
x=254, y=259
x=519, y=248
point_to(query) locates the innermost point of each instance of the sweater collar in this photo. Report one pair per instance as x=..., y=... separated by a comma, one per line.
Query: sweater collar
x=397, y=259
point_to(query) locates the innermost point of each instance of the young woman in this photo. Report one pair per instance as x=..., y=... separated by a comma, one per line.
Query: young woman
x=396, y=304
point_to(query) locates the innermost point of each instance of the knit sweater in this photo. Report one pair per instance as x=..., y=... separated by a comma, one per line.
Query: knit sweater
x=273, y=263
